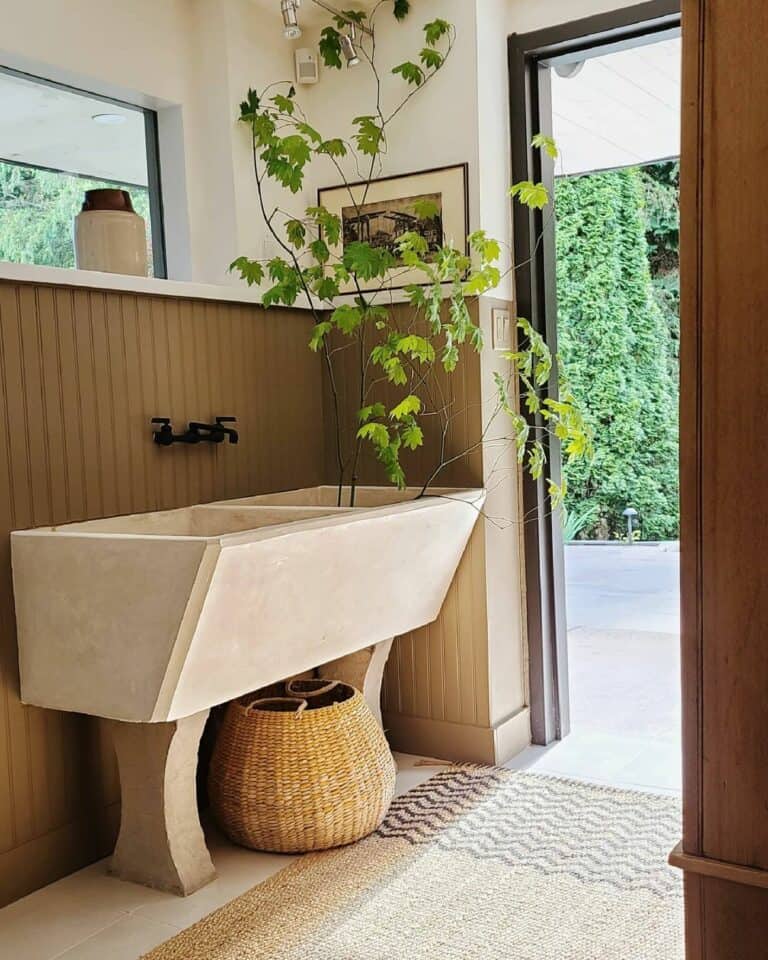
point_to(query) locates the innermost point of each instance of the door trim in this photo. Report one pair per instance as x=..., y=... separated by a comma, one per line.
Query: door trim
x=529, y=102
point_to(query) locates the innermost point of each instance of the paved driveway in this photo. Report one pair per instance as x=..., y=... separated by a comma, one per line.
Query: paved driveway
x=623, y=588
x=623, y=648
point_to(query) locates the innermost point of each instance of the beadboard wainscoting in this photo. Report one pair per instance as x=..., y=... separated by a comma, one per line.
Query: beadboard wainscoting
x=83, y=371
x=457, y=689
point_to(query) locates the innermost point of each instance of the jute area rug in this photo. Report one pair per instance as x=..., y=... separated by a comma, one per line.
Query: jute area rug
x=475, y=864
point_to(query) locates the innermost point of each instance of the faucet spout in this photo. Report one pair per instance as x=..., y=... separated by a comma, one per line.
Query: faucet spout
x=215, y=432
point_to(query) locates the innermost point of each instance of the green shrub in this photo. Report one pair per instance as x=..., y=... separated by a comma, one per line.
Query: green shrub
x=618, y=353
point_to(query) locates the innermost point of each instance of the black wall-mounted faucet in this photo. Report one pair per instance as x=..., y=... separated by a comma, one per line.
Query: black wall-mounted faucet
x=217, y=432
x=195, y=432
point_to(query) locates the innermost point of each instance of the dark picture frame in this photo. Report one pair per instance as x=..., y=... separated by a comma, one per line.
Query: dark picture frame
x=385, y=213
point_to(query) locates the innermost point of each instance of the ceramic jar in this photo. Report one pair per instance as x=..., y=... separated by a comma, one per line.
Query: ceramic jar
x=109, y=235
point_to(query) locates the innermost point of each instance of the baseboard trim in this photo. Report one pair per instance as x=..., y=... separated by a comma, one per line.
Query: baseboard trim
x=512, y=736
x=459, y=742
x=718, y=869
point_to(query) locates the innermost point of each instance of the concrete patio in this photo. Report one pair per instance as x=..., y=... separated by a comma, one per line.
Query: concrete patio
x=623, y=644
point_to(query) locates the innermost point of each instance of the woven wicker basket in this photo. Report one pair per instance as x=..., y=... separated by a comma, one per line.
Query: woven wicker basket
x=288, y=779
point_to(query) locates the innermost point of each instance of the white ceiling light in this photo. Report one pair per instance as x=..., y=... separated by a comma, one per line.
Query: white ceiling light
x=108, y=119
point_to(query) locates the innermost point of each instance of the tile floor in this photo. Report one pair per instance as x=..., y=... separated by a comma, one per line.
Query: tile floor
x=624, y=663
x=91, y=916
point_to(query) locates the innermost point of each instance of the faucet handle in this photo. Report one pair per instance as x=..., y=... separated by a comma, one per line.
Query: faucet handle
x=163, y=436
x=228, y=431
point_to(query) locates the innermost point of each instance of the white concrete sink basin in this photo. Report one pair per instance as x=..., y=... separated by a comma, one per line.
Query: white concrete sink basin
x=149, y=620
x=158, y=616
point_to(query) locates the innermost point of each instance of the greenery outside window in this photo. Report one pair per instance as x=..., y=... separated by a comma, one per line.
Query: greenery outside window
x=57, y=142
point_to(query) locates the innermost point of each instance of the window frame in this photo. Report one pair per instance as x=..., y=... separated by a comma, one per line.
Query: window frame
x=152, y=147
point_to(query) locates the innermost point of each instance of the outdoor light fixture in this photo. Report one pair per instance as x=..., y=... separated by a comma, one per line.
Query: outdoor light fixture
x=289, y=10
x=569, y=70
x=630, y=514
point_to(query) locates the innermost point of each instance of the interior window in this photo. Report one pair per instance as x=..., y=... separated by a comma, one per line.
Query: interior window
x=56, y=143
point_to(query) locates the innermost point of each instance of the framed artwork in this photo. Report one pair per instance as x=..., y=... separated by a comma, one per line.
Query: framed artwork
x=386, y=212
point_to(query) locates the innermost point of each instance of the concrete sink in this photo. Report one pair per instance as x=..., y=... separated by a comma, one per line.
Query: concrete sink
x=157, y=616
x=149, y=620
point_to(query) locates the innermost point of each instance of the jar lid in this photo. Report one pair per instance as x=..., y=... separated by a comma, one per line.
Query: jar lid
x=108, y=198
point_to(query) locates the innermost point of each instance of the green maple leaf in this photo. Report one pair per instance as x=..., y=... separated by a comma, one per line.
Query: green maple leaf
x=347, y=318
x=296, y=149
x=309, y=132
x=327, y=288
x=263, y=127
x=318, y=335
x=328, y=222
x=367, y=262
x=320, y=251
x=334, y=147
x=406, y=408
x=330, y=47
x=418, y=348
x=377, y=433
x=431, y=58
x=413, y=436
x=250, y=106
x=250, y=270
x=402, y=9
x=425, y=210
x=410, y=72
x=370, y=412
x=284, y=104
x=369, y=135
x=532, y=195
x=436, y=30
x=296, y=232
x=543, y=142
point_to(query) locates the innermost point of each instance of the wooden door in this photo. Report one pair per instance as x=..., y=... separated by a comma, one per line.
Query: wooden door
x=724, y=387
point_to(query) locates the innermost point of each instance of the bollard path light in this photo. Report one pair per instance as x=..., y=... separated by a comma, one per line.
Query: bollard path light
x=630, y=513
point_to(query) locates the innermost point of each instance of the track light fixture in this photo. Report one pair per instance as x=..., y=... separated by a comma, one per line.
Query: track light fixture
x=289, y=10
x=348, y=47
x=292, y=30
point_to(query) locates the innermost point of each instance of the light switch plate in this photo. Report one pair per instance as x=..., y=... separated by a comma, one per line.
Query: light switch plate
x=501, y=322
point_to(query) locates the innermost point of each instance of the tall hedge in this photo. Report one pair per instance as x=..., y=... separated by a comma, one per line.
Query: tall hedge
x=617, y=351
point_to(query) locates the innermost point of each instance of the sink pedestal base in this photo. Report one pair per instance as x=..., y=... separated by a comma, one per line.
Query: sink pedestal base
x=161, y=842
x=363, y=669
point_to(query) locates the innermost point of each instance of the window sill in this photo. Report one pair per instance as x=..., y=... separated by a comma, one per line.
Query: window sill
x=91, y=279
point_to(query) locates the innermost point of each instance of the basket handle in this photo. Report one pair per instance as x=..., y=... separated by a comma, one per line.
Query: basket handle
x=326, y=688
x=302, y=704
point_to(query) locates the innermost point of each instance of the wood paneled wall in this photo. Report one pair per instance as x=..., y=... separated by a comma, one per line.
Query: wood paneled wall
x=724, y=495
x=81, y=374
x=436, y=688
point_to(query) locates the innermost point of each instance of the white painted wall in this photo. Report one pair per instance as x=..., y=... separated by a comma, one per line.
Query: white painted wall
x=439, y=126
x=526, y=15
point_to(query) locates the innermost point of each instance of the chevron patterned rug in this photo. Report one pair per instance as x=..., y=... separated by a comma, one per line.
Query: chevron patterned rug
x=475, y=864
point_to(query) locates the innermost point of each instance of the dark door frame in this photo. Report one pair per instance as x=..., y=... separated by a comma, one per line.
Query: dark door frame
x=534, y=250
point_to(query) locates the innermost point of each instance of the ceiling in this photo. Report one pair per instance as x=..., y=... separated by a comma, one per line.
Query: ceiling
x=46, y=126
x=621, y=109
